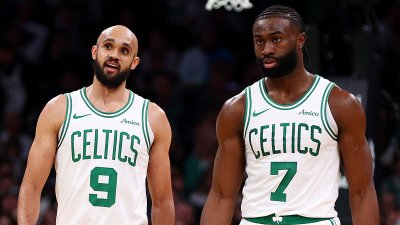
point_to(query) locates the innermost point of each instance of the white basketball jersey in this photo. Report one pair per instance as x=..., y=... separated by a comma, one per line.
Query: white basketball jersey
x=101, y=163
x=292, y=156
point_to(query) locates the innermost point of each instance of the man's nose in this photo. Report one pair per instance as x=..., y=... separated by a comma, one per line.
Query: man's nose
x=268, y=49
x=114, y=55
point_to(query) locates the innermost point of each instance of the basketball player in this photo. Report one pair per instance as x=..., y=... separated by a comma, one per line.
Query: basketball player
x=104, y=141
x=288, y=133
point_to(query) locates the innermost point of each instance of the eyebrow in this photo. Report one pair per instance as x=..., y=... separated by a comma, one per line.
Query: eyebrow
x=113, y=40
x=258, y=34
x=276, y=32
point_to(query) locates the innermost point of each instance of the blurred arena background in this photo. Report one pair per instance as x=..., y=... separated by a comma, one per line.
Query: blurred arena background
x=192, y=60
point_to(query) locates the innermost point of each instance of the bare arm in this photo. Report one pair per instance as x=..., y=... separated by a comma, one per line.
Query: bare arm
x=228, y=166
x=40, y=161
x=356, y=156
x=159, y=171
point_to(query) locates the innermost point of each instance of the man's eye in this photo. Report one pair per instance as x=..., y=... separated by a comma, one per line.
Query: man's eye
x=108, y=46
x=125, y=51
x=276, y=40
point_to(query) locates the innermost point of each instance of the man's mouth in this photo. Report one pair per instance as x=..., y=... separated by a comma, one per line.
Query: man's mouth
x=269, y=62
x=111, y=68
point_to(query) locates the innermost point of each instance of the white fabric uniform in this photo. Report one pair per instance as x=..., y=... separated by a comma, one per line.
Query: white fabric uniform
x=101, y=163
x=292, y=157
x=333, y=221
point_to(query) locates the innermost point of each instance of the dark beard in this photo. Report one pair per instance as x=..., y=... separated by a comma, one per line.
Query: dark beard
x=286, y=64
x=107, y=80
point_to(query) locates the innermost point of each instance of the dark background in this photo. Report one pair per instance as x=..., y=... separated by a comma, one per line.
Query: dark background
x=192, y=61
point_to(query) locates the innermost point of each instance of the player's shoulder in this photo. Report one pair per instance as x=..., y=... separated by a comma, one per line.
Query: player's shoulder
x=54, y=111
x=158, y=120
x=236, y=102
x=345, y=107
x=157, y=115
x=234, y=108
x=337, y=95
x=57, y=103
x=155, y=110
x=340, y=98
x=60, y=101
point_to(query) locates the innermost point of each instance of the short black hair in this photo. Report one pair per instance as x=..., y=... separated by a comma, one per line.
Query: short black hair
x=283, y=12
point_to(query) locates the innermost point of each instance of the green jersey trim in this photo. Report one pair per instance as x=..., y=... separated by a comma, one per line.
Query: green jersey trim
x=247, y=112
x=274, y=104
x=285, y=220
x=107, y=114
x=67, y=119
x=145, y=110
x=324, y=106
x=333, y=222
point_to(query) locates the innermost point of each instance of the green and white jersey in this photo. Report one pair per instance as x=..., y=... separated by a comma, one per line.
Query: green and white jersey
x=101, y=163
x=292, y=156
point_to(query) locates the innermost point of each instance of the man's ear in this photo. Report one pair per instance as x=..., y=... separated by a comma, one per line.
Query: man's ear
x=301, y=40
x=94, y=52
x=135, y=62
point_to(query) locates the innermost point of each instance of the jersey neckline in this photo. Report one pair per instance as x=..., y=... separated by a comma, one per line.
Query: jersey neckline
x=300, y=101
x=106, y=114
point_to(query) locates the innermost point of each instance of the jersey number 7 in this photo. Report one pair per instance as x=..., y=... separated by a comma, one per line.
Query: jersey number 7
x=291, y=167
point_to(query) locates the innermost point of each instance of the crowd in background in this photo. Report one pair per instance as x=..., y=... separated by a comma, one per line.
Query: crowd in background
x=192, y=61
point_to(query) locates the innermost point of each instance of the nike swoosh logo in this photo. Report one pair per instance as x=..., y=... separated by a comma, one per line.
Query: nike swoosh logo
x=80, y=116
x=261, y=112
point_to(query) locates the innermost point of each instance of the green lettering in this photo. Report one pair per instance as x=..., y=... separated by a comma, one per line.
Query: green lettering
x=305, y=150
x=284, y=126
x=263, y=140
x=133, y=138
x=319, y=130
x=75, y=158
x=86, y=143
x=293, y=135
x=274, y=150
x=255, y=131
x=96, y=138
x=107, y=132
x=121, y=136
x=115, y=144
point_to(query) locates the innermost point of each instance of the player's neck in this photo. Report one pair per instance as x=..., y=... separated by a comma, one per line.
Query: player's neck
x=296, y=78
x=291, y=86
x=107, y=99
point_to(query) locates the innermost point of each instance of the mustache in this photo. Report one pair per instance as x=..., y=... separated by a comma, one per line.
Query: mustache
x=270, y=57
x=110, y=59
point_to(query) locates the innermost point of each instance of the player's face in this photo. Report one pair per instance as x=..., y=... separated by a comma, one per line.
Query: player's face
x=114, y=56
x=275, y=46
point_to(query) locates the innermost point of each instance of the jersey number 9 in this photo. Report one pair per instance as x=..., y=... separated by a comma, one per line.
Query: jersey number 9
x=103, y=179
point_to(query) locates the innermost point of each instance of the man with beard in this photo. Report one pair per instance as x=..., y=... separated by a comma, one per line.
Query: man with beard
x=105, y=142
x=289, y=133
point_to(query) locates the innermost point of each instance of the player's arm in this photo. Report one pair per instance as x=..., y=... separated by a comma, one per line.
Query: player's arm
x=40, y=160
x=356, y=155
x=228, y=166
x=159, y=171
